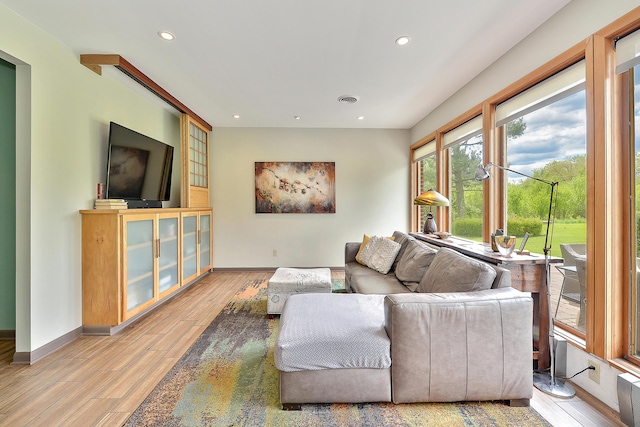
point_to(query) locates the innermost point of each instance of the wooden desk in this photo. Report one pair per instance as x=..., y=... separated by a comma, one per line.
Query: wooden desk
x=527, y=275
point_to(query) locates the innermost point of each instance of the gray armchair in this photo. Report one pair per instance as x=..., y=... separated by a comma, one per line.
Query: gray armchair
x=571, y=284
x=581, y=268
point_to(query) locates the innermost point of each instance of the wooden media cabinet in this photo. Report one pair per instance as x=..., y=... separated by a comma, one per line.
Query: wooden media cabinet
x=135, y=259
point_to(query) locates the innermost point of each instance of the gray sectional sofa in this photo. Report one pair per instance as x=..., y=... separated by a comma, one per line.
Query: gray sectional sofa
x=436, y=327
x=410, y=266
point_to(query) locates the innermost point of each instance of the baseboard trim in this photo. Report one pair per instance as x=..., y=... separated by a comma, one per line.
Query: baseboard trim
x=113, y=330
x=596, y=403
x=259, y=269
x=31, y=357
x=8, y=335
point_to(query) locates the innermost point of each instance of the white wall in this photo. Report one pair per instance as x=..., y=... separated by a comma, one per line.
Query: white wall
x=573, y=24
x=372, y=194
x=62, y=145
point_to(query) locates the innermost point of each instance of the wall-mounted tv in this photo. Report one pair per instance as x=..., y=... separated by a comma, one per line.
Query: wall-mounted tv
x=138, y=167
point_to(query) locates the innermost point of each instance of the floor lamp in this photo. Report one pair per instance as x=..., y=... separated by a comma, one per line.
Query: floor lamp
x=547, y=383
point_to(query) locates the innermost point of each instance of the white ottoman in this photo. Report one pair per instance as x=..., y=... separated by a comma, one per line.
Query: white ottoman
x=290, y=281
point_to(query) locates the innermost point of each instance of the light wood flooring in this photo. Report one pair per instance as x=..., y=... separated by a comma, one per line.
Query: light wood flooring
x=100, y=381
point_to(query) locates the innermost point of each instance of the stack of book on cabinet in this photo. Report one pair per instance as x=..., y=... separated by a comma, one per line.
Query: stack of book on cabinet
x=110, y=204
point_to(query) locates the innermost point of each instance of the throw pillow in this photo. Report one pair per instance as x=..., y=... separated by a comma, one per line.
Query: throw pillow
x=380, y=253
x=450, y=271
x=365, y=240
x=414, y=261
x=403, y=239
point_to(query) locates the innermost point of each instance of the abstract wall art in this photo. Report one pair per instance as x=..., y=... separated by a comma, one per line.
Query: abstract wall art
x=295, y=187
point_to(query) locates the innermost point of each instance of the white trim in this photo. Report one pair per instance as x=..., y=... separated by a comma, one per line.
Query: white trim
x=424, y=151
x=567, y=82
x=463, y=132
x=628, y=52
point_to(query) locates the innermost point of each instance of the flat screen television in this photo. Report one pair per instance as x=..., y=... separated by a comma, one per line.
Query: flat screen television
x=138, y=167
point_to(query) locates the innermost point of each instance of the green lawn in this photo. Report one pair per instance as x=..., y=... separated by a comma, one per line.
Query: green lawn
x=562, y=233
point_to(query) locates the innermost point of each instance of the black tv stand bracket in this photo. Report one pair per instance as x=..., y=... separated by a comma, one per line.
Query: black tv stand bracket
x=141, y=204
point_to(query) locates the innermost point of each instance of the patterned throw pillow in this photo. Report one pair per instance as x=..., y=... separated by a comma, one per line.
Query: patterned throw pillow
x=365, y=241
x=380, y=253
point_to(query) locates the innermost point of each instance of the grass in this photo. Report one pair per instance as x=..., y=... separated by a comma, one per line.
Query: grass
x=562, y=233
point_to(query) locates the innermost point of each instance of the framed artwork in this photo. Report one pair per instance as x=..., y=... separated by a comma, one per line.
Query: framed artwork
x=295, y=187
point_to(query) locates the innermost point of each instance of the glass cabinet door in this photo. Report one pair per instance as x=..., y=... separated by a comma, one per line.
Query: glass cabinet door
x=139, y=262
x=168, y=257
x=205, y=242
x=189, y=246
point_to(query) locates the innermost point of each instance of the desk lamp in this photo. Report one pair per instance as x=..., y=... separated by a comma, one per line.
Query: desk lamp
x=430, y=198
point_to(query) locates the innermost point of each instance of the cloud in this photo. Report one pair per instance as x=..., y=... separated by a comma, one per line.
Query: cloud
x=554, y=132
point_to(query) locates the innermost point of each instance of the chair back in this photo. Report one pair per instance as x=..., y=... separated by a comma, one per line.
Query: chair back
x=571, y=250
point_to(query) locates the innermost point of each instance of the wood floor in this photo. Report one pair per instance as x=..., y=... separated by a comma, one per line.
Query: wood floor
x=100, y=381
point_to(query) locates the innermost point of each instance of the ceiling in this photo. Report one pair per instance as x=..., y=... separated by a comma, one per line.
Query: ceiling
x=271, y=60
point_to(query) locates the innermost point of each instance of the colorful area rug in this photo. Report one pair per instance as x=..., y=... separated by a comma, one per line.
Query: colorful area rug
x=228, y=378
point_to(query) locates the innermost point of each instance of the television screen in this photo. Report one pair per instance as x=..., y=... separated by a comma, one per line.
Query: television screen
x=139, y=167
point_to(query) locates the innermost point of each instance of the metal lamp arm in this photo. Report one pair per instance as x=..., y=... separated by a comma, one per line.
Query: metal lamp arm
x=553, y=184
x=547, y=239
x=521, y=174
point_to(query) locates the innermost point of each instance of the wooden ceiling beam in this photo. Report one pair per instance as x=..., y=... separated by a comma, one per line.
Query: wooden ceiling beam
x=95, y=62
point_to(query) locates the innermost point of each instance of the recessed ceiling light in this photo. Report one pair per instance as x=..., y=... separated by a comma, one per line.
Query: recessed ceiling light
x=404, y=40
x=236, y=116
x=360, y=117
x=166, y=35
x=296, y=117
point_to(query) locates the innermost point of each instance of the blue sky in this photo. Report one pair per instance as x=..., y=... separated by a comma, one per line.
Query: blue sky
x=554, y=132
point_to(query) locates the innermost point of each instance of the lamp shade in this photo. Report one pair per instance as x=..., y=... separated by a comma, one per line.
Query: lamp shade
x=431, y=198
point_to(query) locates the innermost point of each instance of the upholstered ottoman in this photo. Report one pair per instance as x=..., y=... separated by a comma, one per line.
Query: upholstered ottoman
x=333, y=348
x=290, y=281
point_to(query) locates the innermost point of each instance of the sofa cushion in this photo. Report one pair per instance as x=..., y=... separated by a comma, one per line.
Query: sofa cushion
x=450, y=271
x=414, y=261
x=403, y=239
x=363, y=280
x=380, y=253
x=332, y=331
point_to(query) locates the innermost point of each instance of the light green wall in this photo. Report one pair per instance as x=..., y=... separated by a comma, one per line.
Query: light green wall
x=62, y=146
x=7, y=196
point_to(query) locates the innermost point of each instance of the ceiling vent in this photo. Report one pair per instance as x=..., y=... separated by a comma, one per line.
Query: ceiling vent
x=348, y=99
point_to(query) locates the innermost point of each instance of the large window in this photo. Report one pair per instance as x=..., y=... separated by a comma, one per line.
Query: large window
x=464, y=147
x=427, y=181
x=550, y=143
x=628, y=65
x=545, y=135
x=635, y=253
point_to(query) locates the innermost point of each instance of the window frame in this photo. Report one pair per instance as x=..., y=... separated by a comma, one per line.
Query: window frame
x=607, y=169
x=193, y=195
